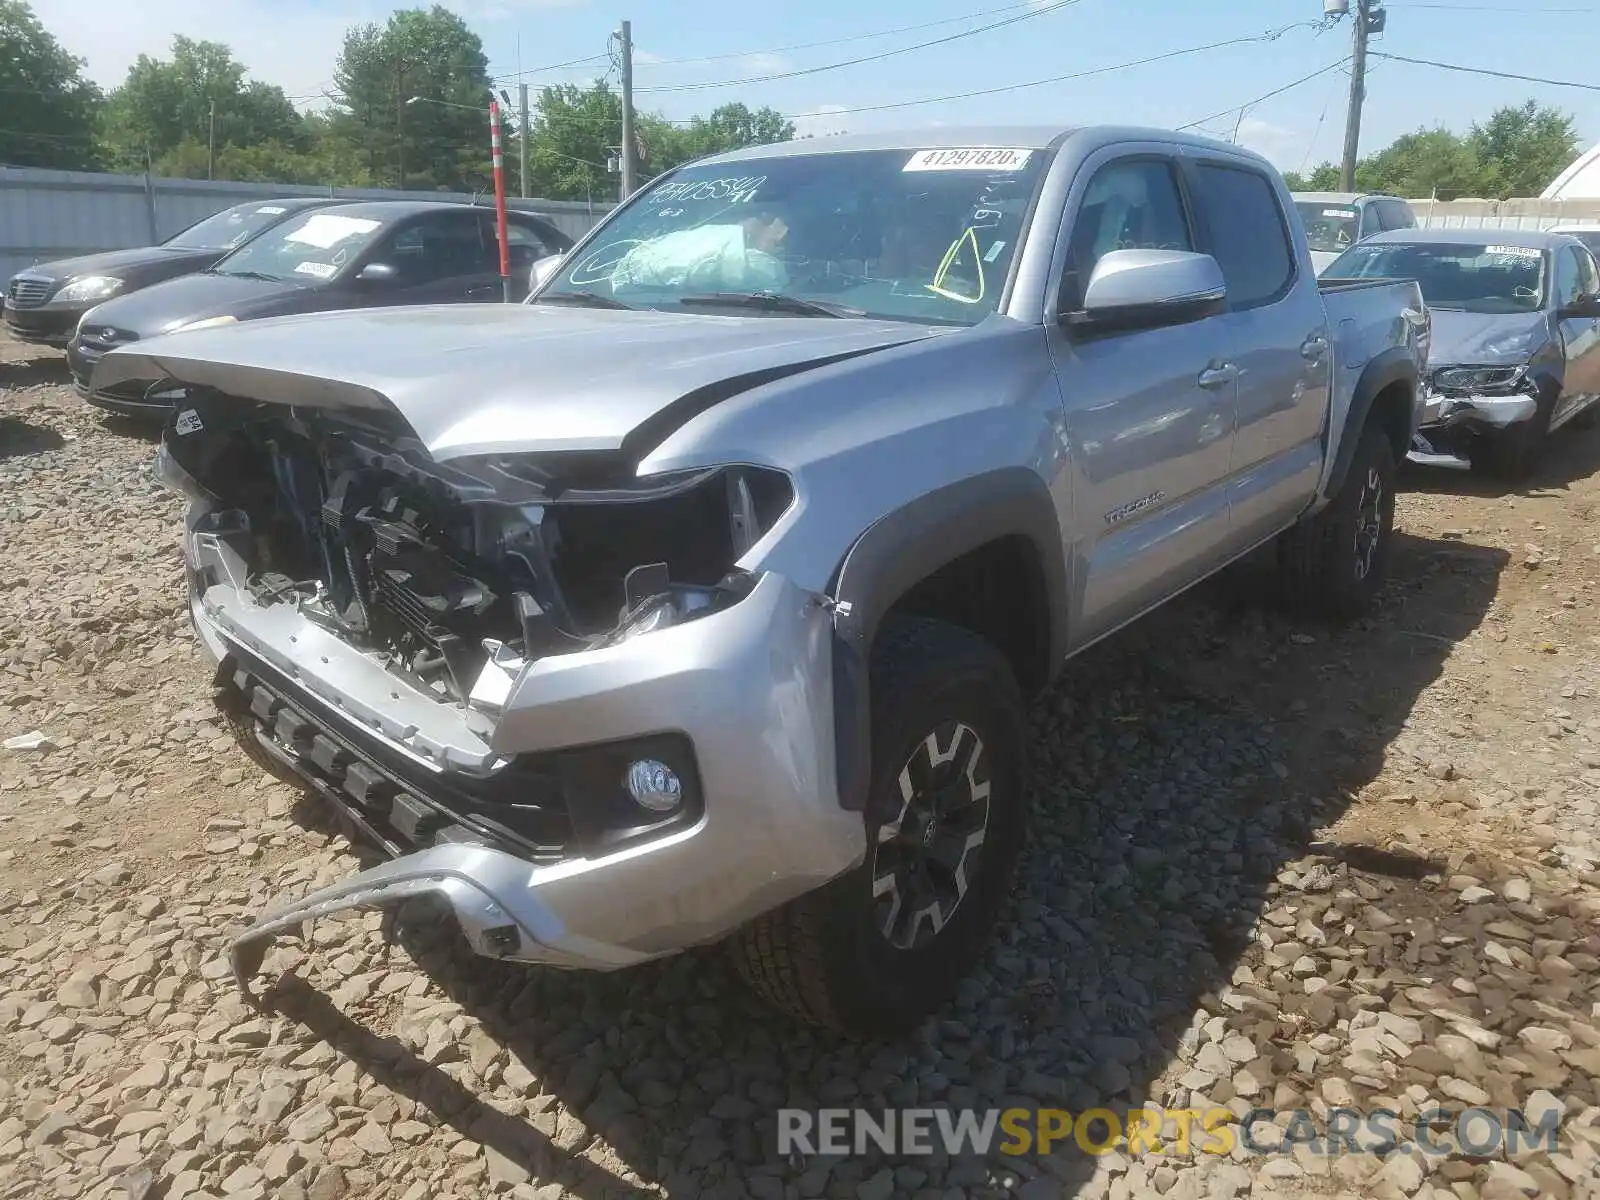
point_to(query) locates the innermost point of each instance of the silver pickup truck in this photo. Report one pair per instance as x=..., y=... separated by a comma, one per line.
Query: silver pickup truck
x=700, y=597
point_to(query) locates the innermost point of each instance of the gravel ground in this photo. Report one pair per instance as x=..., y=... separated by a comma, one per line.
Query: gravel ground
x=1274, y=864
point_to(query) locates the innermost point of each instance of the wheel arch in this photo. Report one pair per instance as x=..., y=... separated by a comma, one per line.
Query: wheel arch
x=940, y=555
x=1387, y=390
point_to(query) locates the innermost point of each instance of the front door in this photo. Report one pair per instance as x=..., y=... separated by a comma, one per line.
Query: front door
x=1580, y=336
x=1149, y=413
x=442, y=258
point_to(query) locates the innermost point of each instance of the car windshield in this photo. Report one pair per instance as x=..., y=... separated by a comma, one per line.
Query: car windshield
x=1479, y=278
x=914, y=235
x=1330, y=228
x=229, y=228
x=309, y=248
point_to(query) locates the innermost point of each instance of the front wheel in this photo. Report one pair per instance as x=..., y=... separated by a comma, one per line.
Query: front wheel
x=878, y=949
x=1334, y=565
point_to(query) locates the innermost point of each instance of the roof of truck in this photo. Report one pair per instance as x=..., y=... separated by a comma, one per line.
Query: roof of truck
x=1342, y=197
x=1528, y=239
x=950, y=137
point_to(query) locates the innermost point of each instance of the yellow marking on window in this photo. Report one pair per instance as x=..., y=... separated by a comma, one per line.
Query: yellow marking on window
x=937, y=286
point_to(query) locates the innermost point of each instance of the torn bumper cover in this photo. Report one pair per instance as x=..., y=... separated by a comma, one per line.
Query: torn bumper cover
x=1447, y=419
x=547, y=871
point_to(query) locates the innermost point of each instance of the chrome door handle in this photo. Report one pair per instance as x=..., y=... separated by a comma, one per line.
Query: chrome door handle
x=1218, y=376
x=1313, y=348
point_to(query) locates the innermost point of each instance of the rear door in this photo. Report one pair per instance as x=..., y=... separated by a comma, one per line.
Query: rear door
x=1276, y=334
x=1580, y=336
x=1149, y=413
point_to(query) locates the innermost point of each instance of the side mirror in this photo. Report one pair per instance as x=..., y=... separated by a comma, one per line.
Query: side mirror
x=377, y=272
x=1140, y=289
x=1582, y=308
x=543, y=269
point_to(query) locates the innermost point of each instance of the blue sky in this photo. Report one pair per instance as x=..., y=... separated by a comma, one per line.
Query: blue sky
x=294, y=42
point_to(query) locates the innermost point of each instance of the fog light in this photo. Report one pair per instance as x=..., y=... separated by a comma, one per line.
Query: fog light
x=654, y=785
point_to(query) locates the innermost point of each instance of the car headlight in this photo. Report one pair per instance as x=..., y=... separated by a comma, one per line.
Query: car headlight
x=203, y=323
x=1479, y=379
x=90, y=287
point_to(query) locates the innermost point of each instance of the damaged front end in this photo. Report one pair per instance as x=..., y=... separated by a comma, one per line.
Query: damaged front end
x=541, y=684
x=1465, y=403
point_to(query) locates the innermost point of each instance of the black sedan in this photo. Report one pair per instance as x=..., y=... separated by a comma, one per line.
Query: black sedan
x=360, y=255
x=44, y=302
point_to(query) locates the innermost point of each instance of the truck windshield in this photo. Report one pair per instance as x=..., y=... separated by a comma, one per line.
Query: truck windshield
x=914, y=235
x=1329, y=227
x=1462, y=278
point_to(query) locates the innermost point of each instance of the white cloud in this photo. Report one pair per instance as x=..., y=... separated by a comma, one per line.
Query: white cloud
x=762, y=64
x=822, y=120
x=1284, y=147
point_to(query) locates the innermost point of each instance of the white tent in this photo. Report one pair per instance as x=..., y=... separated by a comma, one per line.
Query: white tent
x=1580, y=181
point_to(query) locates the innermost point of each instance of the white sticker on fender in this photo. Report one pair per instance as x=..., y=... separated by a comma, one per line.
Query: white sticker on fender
x=188, y=422
x=977, y=159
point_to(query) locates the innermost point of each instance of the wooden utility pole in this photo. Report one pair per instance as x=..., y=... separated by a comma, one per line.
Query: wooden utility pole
x=1358, y=94
x=522, y=135
x=625, y=41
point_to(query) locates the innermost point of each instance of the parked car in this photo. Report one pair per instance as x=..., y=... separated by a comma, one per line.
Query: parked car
x=669, y=607
x=1335, y=221
x=1516, y=337
x=363, y=255
x=44, y=303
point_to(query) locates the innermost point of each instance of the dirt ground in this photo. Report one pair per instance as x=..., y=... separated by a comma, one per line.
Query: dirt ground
x=1422, y=788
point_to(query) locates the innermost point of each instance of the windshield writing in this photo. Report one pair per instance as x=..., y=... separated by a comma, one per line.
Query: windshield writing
x=907, y=235
x=1330, y=228
x=229, y=228
x=310, y=248
x=1477, y=279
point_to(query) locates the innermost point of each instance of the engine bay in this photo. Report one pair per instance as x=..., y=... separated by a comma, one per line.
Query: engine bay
x=454, y=572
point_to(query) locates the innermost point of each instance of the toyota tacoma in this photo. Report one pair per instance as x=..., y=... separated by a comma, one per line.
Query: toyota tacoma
x=698, y=598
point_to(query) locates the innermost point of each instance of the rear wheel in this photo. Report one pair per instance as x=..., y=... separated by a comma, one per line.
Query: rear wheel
x=878, y=949
x=1334, y=565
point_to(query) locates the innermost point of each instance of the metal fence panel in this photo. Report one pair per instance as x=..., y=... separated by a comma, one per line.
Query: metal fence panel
x=46, y=215
x=1518, y=213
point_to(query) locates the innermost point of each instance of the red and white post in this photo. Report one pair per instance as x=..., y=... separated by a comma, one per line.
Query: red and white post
x=500, y=200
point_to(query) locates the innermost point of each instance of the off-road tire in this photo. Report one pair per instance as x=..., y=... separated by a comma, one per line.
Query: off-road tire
x=825, y=958
x=1512, y=453
x=1324, y=569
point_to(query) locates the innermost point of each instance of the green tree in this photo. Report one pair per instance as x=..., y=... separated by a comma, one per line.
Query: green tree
x=163, y=109
x=734, y=126
x=571, y=141
x=1523, y=148
x=1430, y=162
x=49, y=107
x=395, y=110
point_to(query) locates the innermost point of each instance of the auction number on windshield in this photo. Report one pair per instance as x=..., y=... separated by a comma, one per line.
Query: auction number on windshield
x=968, y=160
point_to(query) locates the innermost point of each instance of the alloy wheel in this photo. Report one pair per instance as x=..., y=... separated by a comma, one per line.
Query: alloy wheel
x=1369, y=522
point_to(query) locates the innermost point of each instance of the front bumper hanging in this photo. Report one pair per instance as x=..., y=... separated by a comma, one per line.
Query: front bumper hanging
x=1442, y=415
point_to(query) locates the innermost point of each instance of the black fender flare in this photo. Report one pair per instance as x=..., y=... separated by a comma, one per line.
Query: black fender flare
x=1392, y=366
x=907, y=546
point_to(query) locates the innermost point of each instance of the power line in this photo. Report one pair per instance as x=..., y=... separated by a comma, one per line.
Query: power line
x=1268, y=95
x=1496, y=8
x=571, y=62
x=860, y=37
x=1270, y=36
x=1056, y=6
x=1444, y=66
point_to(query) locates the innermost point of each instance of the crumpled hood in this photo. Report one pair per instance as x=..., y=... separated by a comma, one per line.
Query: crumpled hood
x=500, y=378
x=116, y=262
x=1485, y=339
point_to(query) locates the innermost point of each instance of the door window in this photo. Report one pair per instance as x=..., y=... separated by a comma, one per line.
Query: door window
x=1588, y=273
x=527, y=243
x=1397, y=215
x=1569, y=277
x=1249, y=236
x=1134, y=204
x=442, y=245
